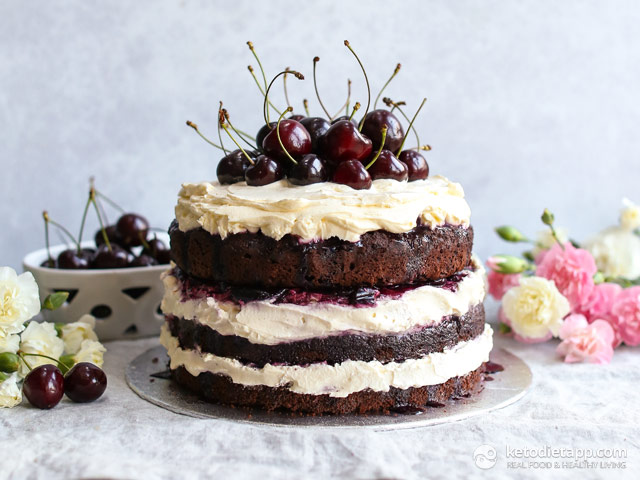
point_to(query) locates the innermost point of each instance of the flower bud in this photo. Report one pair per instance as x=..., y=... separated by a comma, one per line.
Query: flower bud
x=9, y=362
x=510, y=234
x=547, y=217
x=507, y=264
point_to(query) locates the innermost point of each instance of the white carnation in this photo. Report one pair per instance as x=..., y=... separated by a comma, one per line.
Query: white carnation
x=19, y=300
x=10, y=343
x=616, y=251
x=10, y=392
x=73, y=334
x=535, y=308
x=40, y=338
x=629, y=215
x=90, y=351
x=545, y=239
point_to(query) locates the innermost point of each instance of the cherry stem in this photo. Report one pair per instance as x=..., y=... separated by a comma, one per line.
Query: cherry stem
x=21, y=354
x=366, y=79
x=221, y=123
x=195, y=127
x=92, y=199
x=284, y=85
x=45, y=216
x=265, y=108
x=315, y=86
x=345, y=105
x=384, y=137
x=411, y=124
x=289, y=109
x=253, y=74
x=64, y=230
x=305, y=102
x=395, y=72
x=356, y=107
x=264, y=77
x=82, y=222
x=238, y=132
x=388, y=102
x=219, y=134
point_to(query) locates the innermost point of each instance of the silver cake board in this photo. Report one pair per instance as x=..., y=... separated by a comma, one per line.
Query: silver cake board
x=145, y=374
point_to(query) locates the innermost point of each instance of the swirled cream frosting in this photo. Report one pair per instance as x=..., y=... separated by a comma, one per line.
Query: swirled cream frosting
x=322, y=210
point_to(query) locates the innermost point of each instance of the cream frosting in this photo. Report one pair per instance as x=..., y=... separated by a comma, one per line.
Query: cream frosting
x=264, y=322
x=341, y=379
x=322, y=210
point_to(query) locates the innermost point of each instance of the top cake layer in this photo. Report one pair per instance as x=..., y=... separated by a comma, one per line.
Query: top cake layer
x=321, y=211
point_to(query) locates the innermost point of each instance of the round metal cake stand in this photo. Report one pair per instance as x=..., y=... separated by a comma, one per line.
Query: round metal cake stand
x=147, y=377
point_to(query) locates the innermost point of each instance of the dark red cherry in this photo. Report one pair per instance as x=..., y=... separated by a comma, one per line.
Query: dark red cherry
x=117, y=257
x=416, y=164
x=49, y=263
x=263, y=132
x=343, y=142
x=297, y=118
x=143, y=260
x=316, y=126
x=372, y=128
x=344, y=117
x=85, y=382
x=232, y=166
x=44, y=386
x=309, y=169
x=352, y=173
x=157, y=249
x=73, y=260
x=112, y=235
x=388, y=166
x=133, y=229
x=295, y=138
x=266, y=170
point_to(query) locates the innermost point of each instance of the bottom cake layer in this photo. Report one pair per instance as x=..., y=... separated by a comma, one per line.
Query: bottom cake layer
x=221, y=389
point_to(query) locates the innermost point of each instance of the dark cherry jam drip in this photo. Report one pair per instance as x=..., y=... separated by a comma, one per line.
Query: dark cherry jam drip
x=491, y=367
x=358, y=297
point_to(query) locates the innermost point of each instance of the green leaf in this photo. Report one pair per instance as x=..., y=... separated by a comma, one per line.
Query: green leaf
x=504, y=328
x=55, y=300
x=9, y=362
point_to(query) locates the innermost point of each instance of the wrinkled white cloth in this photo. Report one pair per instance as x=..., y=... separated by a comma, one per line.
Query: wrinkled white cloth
x=122, y=436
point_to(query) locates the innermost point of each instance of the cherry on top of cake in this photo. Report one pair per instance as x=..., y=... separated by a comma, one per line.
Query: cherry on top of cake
x=307, y=150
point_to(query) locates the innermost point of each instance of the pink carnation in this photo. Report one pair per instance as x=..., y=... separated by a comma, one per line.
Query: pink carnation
x=572, y=270
x=599, y=304
x=499, y=283
x=582, y=341
x=625, y=315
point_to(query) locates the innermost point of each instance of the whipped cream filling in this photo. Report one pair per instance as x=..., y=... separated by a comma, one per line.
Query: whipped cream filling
x=341, y=379
x=264, y=322
x=322, y=210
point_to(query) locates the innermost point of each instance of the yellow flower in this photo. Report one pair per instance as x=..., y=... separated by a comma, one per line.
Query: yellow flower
x=90, y=351
x=74, y=333
x=10, y=393
x=535, y=308
x=40, y=338
x=19, y=300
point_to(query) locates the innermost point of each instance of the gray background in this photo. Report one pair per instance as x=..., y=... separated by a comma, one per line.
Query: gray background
x=531, y=103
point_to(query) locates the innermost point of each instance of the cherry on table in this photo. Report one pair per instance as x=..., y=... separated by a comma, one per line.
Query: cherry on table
x=85, y=382
x=294, y=137
x=117, y=257
x=374, y=122
x=232, y=166
x=71, y=259
x=352, y=173
x=343, y=142
x=112, y=235
x=316, y=126
x=309, y=169
x=133, y=229
x=265, y=171
x=388, y=166
x=263, y=132
x=44, y=386
x=417, y=165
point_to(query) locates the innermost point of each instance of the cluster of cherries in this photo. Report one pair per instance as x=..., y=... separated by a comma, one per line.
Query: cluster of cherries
x=115, y=245
x=309, y=150
x=45, y=385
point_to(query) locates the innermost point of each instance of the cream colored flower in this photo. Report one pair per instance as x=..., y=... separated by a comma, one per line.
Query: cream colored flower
x=545, y=240
x=10, y=393
x=616, y=251
x=90, y=351
x=629, y=215
x=40, y=338
x=74, y=333
x=10, y=343
x=535, y=308
x=19, y=300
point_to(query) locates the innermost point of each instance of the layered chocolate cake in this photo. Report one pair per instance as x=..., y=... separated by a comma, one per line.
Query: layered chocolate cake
x=323, y=298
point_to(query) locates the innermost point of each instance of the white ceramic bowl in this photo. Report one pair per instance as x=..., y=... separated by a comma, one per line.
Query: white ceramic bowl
x=125, y=301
